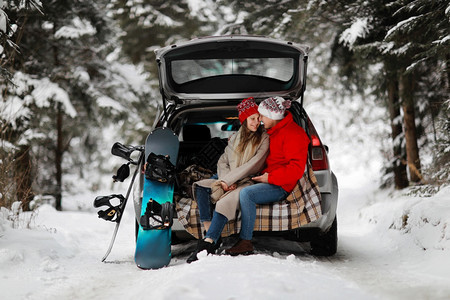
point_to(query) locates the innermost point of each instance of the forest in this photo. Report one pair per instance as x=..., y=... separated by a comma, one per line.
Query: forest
x=71, y=69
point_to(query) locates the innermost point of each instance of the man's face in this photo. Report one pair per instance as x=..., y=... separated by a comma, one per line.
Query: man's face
x=268, y=123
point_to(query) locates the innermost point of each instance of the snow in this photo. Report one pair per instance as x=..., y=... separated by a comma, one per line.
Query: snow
x=44, y=94
x=443, y=40
x=149, y=16
x=45, y=91
x=358, y=29
x=202, y=10
x=13, y=110
x=78, y=28
x=58, y=255
x=105, y=101
x=403, y=25
x=3, y=21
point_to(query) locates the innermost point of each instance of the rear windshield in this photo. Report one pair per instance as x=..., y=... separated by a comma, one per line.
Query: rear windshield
x=279, y=68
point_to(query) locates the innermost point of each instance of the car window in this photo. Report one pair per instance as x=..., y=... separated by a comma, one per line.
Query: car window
x=279, y=68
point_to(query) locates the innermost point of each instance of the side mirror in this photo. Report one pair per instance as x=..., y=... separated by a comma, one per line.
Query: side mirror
x=326, y=148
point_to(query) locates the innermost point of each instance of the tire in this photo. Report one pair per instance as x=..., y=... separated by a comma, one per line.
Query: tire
x=326, y=244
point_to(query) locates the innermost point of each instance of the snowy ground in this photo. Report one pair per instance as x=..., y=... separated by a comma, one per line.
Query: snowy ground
x=379, y=256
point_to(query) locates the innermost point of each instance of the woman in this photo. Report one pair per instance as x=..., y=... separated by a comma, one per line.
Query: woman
x=244, y=156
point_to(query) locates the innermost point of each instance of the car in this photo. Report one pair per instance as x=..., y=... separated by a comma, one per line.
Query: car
x=201, y=82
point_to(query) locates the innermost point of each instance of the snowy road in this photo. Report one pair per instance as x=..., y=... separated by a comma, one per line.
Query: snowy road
x=60, y=259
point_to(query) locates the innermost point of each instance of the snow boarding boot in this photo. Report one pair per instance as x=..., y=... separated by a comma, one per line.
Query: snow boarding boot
x=203, y=245
x=242, y=247
x=153, y=242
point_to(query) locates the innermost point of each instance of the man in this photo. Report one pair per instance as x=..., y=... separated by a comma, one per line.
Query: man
x=285, y=165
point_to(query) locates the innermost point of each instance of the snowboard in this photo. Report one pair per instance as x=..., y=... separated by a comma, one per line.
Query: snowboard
x=153, y=243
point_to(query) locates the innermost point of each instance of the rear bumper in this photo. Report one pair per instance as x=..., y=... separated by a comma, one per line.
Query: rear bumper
x=325, y=180
x=329, y=208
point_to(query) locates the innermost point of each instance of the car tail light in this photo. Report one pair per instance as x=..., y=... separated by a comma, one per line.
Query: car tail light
x=319, y=159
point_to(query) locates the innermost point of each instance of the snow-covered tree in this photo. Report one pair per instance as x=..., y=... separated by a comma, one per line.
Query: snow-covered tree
x=150, y=24
x=8, y=47
x=16, y=172
x=68, y=83
x=410, y=39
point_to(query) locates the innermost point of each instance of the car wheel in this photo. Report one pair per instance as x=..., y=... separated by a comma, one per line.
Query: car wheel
x=326, y=244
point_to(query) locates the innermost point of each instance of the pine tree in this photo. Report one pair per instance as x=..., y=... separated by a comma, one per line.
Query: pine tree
x=408, y=37
x=15, y=160
x=70, y=84
x=150, y=24
x=420, y=41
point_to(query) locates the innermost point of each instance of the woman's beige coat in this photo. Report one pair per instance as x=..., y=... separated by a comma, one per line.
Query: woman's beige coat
x=229, y=203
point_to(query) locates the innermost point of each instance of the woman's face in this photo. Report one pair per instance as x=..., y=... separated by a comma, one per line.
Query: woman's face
x=253, y=122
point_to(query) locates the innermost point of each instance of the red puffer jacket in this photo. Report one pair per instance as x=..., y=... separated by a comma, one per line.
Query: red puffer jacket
x=288, y=153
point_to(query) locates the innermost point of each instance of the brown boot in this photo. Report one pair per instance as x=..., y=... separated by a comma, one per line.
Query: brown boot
x=244, y=247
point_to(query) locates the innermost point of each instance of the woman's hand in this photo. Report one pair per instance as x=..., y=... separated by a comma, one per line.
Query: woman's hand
x=227, y=188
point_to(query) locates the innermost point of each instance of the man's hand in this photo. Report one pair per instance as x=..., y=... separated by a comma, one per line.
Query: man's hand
x=264, y=178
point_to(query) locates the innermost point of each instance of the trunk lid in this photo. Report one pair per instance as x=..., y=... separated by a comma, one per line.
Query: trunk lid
x=224, y=68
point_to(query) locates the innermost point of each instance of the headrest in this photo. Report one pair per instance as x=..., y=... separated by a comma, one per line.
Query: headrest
x=196, y=133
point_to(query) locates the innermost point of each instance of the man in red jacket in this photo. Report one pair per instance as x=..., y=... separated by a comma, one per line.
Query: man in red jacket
x=285, y=165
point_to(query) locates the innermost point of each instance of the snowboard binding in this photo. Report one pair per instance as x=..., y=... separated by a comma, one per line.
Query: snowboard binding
x=122, y=173
x=157, y=216
x=159, y=168
x=111, y=213
x=125, y=152
x=114, y=212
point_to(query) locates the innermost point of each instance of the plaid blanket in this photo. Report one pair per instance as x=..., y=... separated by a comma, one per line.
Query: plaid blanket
x=301, y=207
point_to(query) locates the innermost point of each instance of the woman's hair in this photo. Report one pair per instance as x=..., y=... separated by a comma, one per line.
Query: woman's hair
x=248, y=142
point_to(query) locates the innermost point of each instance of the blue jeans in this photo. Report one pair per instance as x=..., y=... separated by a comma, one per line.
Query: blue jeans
x=207, y=212
x=205, y=207
x=218, y=222
x=260, y=193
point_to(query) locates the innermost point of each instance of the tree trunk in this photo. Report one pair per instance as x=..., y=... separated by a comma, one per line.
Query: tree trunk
x=398, y=166
x=23, y=177
x=59, y=151
x=412, y=149
x=447, y=65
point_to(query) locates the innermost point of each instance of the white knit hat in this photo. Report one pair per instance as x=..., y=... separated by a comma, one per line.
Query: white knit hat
x=274, y=108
